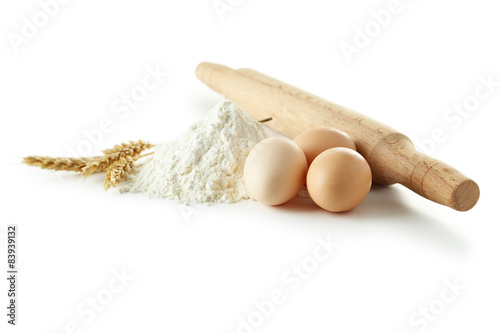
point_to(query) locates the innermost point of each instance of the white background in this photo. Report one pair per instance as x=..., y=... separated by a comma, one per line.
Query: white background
x=200, y=270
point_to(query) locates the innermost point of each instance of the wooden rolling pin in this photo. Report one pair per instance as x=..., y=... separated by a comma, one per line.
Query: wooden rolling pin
x=391, y=155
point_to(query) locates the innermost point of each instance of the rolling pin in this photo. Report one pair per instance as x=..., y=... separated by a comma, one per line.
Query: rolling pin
x=390, y=154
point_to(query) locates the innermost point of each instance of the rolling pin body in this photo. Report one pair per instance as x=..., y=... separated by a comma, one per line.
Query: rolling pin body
x=390, y=154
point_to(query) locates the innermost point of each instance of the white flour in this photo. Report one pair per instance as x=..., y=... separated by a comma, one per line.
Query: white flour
x=205, y=165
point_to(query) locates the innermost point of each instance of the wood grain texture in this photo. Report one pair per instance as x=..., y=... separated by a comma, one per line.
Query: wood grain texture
x=391, y=155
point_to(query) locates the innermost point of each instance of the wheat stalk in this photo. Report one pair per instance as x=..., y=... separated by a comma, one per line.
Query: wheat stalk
x=58, y=163
x=132, y=148
x=100, y=164
x=116, y=162
x=117, y=170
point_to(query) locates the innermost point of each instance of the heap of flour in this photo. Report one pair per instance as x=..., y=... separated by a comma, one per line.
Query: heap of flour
x=205, y=165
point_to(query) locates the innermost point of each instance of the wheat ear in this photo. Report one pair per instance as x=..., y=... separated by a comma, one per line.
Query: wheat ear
x=131, y=148
x=58, y=163
x=116, y=171
x=100, y=164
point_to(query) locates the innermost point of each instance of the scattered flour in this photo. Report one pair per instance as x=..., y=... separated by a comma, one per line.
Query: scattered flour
x=205, y=164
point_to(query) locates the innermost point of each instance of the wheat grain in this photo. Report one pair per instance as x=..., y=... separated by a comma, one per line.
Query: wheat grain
x=117, y=162
x=58, y=163
x=100, y=164
x=131, y=148
x=117, y=170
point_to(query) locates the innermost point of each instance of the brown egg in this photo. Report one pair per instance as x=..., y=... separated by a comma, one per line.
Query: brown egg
x=316, y=140
x=275, y=170
x=339, y=179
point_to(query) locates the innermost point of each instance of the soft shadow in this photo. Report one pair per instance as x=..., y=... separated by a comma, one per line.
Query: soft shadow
x=383, y=209
x=386, y=209
x=298, y=205
x=382, y=202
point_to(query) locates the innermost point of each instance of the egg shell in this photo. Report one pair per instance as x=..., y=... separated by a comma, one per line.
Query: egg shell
x=318, y=139
x=275, y=170
x=339, y=179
